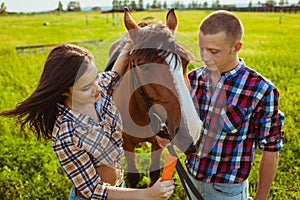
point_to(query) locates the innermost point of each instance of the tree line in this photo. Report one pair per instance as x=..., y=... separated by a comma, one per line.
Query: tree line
x=157, y=4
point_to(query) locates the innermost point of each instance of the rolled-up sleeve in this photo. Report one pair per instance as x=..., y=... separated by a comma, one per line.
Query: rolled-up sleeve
x=269, y=122
x=107, y=81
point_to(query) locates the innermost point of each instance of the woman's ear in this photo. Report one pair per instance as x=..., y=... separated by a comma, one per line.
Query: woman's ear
x=67, y=93
x=68, y=98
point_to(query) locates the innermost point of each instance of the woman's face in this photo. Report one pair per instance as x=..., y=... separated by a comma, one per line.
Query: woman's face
x=86, y=89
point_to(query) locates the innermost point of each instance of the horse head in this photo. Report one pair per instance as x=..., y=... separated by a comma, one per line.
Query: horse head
x=157, y=80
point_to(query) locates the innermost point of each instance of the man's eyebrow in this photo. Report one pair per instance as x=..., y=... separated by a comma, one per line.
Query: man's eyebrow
x=211, y=48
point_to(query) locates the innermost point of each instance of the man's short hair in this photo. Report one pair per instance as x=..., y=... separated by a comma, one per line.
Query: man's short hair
x=223, y=21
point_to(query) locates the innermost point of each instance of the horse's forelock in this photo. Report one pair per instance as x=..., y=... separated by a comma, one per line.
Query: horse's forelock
x=155, y=43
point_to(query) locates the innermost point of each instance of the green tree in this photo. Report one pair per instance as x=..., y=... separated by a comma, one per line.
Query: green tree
x=270, y=3
x=154, y=4
x=60, y=7
x=133, y=5
x=286, y=2
x=120, y=5
x=2, y=8
x=147, y=5
x=126, y=3
x=194, y=4
x=250, y=4
x=165, y=4
x=159, y=5
x=281, y=2
x=74, y=6
x=115, y=5
x=178, y=5
x=141, y=4
x=216, y=4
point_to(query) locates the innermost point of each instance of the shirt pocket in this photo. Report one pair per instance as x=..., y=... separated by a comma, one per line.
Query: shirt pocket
x=234, y=118
x=227, y=190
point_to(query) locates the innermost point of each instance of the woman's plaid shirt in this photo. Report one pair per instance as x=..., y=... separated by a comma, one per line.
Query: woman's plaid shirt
x=81, y=144
x=240, y=114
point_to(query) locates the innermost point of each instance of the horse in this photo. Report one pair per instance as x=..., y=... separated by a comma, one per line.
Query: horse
x=153, y=94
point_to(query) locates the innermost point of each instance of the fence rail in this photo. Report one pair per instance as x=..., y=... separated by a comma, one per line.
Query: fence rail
x=46, y=47
x=285, y=9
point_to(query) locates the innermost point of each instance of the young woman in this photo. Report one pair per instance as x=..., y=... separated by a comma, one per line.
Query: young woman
x=73, y=106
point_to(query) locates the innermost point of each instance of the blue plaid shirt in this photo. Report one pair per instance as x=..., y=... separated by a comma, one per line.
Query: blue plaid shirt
x=240, y=113
x=81, y=144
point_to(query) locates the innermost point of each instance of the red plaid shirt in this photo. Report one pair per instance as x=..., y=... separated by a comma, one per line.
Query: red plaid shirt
x=240, y=113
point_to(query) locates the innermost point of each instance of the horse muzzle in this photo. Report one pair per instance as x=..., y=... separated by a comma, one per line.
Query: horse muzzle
x=181, y=137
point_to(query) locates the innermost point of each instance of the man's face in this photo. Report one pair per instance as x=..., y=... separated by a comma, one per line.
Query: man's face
x=217, y=52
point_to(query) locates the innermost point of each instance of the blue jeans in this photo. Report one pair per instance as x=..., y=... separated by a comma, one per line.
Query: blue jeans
x=73, y=196
x=220, y=191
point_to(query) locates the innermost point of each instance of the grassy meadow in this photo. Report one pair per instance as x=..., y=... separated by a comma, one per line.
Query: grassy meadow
x=29, y=169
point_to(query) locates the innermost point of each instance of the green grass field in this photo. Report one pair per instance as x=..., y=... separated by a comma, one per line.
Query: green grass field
x=29, y=169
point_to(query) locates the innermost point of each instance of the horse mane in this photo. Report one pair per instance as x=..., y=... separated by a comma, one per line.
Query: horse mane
x=154, y=43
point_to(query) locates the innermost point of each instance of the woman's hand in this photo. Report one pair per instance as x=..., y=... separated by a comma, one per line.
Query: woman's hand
x=162, y=142
x=122, y=61
x=127, y=48
x=160, y=190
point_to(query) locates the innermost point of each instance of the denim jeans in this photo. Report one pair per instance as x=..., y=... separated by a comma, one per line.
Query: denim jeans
x=73, y=196
x=220, y=191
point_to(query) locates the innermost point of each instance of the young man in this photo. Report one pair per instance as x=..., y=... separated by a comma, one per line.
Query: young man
x=239, y=111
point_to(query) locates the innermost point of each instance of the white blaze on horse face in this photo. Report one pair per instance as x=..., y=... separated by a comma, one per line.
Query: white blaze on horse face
x=191, y=119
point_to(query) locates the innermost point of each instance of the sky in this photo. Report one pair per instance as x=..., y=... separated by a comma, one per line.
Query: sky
x=45, y=5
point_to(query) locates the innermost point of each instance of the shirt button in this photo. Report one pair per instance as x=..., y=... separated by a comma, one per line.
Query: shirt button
x=206, y=126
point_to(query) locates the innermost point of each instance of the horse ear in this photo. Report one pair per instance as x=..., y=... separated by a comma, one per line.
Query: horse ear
x=171, y=19
x=129, y=22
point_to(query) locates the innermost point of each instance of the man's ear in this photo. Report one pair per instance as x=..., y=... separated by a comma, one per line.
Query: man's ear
x=238, y=46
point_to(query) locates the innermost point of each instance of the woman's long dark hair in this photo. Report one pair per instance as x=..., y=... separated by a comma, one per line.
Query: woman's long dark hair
x=64, y=65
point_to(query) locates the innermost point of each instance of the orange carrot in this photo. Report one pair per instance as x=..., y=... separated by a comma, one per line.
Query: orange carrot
x=170, y=163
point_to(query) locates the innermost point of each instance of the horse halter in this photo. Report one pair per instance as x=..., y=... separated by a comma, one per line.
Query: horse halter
x=163, y=128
